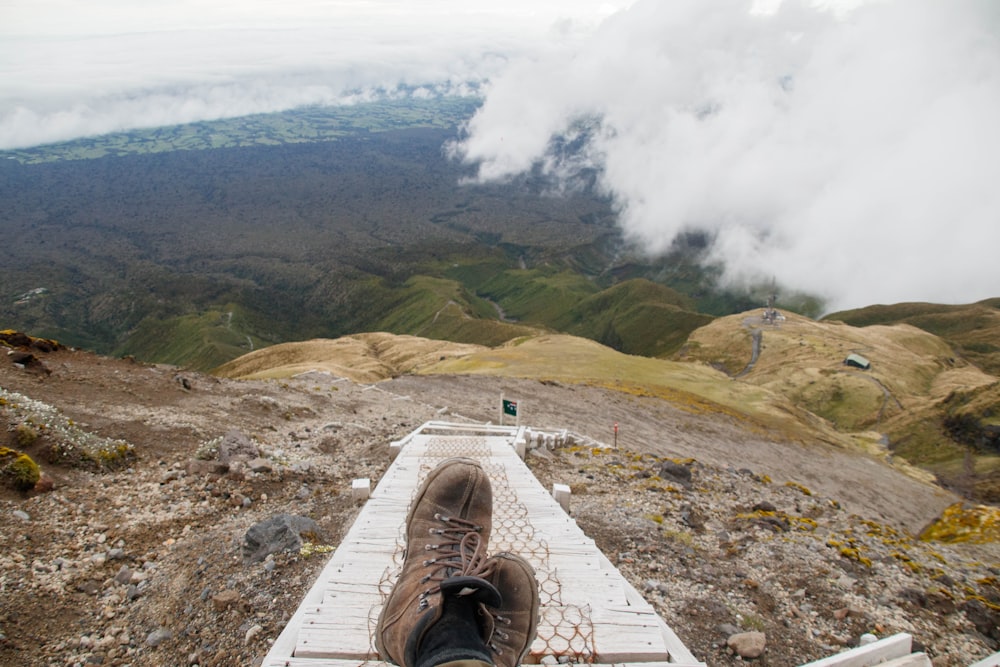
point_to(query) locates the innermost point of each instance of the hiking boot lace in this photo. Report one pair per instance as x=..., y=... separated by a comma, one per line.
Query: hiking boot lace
x=460, y=552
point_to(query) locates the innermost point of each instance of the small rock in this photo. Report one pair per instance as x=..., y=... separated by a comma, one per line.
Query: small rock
x=253, y=632
x=260, y=465
x=675, y=472
x=171, y=476
x=225, y=599
x=747, y=644
x=158, y=636
x=282, y=532
x=236, y=445
x=728, y=629
x=44, y=484
x=124, y=575
x=199, y=467
x=867, y=638
x=22, y=515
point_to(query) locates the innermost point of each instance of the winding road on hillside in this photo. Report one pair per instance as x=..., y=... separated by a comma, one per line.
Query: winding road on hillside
x=756, y=335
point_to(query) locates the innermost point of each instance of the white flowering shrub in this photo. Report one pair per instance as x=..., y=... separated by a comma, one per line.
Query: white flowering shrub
x=66, y=442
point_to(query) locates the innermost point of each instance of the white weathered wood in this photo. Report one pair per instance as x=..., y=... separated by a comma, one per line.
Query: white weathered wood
x=333, y=662
x=361, y=489
x=896, y=646
x=912, y=660
x=589, y=610
x=561, y=493
x=991, y=661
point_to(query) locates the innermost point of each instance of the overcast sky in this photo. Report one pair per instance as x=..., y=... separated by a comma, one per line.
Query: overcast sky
x=852, y=153
x=70, y=68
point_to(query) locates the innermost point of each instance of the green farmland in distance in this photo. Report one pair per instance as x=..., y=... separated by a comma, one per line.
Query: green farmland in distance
x=304, y=125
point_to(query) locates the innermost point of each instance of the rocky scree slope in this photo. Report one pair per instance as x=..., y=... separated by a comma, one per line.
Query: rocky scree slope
x=142, y=560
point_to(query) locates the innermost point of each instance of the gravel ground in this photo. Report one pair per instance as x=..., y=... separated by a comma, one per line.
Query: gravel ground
x=723, y=528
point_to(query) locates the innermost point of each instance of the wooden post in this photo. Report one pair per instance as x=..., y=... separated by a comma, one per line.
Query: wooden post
x=520, y=446
x=561, y=493
x=394, y=448
x=361, y=489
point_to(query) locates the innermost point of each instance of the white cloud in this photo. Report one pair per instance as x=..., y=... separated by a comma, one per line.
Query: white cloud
x=853, y=154
x=69, y=69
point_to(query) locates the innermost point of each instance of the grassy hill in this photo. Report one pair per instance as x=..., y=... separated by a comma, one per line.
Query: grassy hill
x=917, y=404
x=914, y=389
x=546, y=357
x=972, y=329
x=362, y=357
x=636, y=316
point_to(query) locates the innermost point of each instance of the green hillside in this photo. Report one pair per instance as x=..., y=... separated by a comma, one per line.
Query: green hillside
x=202, y=340
x=972, y=329
x=637, y=317
x=917, y=401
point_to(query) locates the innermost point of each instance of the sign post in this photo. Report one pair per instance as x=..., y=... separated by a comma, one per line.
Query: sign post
x=508, y=407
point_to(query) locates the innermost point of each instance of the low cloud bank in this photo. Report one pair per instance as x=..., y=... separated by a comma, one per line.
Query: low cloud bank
x=853, y=156
x=69, y=70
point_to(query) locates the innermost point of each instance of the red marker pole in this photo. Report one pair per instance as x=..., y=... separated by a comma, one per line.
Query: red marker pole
x=616, y=435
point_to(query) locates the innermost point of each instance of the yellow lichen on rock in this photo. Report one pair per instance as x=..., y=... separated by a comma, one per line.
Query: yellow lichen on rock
x=979, y=524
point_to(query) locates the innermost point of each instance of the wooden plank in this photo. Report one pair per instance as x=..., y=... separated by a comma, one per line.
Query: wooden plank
x=896, y=646
x=912, y=660
x=589, y=610
x=991, y=661
x=333, y=662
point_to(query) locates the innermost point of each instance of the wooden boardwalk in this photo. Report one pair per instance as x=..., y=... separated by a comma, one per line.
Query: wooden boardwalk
x=589, y=613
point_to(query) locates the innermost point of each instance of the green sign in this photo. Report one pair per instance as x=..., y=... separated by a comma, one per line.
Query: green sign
x=510, y=408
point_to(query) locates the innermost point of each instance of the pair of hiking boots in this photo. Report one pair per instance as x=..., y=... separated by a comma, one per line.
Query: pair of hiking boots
x=452, y=602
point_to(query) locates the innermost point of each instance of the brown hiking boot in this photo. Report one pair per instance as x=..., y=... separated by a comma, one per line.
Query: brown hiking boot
x=447, y=530
x=515, y=620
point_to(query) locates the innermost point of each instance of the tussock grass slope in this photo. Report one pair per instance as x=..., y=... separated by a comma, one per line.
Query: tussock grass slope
x=917, y=404
x=973, y=329
x=904, y=399
x=368, y=357
x=547, y=357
